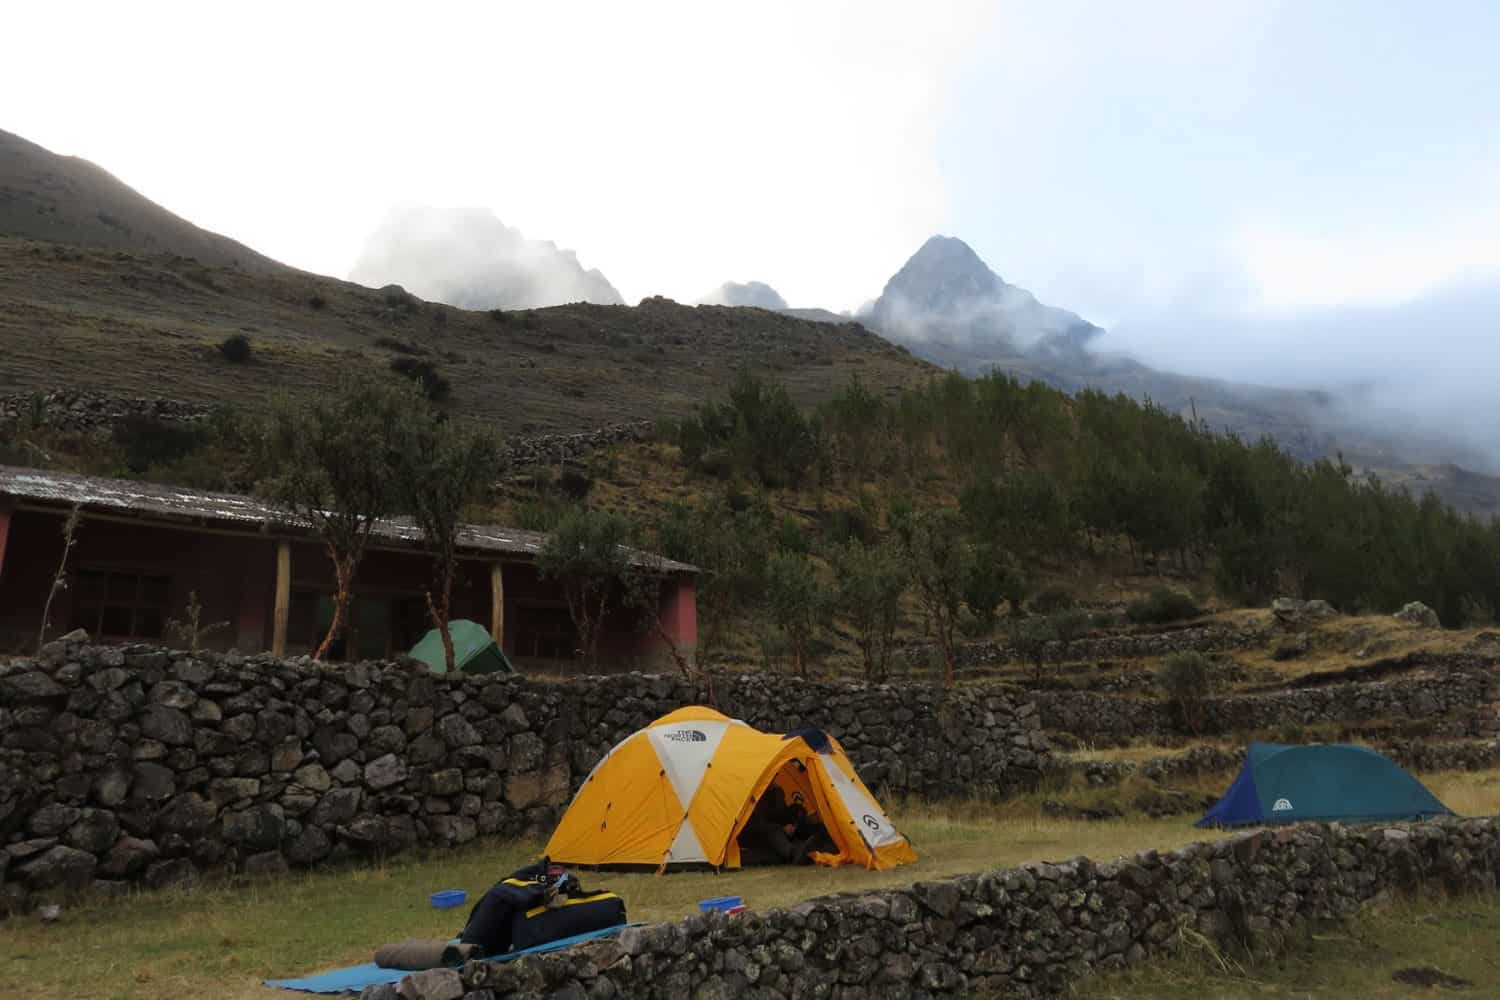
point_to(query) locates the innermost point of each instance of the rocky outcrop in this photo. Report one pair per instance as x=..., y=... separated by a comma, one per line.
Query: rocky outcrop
x=1419, y=614
x=123, y=765
x=1032, y=931
x=1291, y=614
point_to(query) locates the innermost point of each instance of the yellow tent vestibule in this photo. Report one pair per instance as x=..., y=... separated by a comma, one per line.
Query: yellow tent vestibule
x=679, y=792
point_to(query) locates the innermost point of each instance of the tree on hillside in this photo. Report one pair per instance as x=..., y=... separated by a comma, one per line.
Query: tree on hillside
x=588, y=553
x=442, y=469
x=993, y=578
x=730, y=546
x=332, y=462
x=871, y=582
x=796, y=602
x=942, y=564
x=1189, y=679
x=1029, y=637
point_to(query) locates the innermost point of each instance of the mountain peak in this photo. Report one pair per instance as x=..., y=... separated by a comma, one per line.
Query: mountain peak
x=946, y=292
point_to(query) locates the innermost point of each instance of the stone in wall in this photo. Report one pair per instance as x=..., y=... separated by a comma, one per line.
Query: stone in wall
x=1032, y=931
x=87, y=410
x=139, y=765
x=1452, y=691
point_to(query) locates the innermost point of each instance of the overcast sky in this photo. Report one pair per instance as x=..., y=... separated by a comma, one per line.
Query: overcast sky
x=1176, y=171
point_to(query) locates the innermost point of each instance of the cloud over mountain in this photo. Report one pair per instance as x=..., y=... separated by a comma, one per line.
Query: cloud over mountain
x=467, y=257
x=747, y=293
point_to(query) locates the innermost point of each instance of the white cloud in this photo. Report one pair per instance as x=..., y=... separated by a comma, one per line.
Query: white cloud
x=673, y=145
x=1298, y=270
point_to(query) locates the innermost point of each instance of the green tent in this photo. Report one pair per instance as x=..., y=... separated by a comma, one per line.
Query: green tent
x=474, y=650
x=1322, y=782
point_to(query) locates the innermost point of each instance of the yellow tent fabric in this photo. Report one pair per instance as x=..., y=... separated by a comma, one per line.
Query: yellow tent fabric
x=678, y=792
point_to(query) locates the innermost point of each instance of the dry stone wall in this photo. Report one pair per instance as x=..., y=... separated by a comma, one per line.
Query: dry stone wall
x=1124, y=645
x=562, y=449
x=1031, y=931
x=86, y=410
x=137, y=765
x=1453, y=690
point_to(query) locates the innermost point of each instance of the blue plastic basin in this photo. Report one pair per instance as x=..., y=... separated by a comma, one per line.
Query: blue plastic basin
x=448, y=898
x=719, y=903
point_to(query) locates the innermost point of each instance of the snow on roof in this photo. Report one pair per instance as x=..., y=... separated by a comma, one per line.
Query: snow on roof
x=177, y=503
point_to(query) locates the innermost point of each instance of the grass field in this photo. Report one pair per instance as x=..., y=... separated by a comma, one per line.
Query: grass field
x=223, y=941
x=142, y=325
x=1409, y=949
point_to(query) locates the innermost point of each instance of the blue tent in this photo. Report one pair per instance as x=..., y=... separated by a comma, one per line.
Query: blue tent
x=1324, y=782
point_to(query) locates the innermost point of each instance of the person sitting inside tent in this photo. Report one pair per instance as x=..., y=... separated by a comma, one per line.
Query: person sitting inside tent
x=781, y=833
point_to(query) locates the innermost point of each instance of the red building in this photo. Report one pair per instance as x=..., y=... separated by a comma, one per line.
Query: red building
x=142, y=549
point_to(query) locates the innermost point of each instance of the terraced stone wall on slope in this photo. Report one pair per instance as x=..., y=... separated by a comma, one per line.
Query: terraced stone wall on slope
x=1031, y=931
x=1452, y=692
x=139, y=765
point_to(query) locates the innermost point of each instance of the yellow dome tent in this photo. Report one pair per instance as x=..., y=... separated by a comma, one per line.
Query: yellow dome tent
x=678, y=792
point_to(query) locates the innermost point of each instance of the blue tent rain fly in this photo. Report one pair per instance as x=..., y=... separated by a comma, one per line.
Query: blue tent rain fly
x=1325, y=782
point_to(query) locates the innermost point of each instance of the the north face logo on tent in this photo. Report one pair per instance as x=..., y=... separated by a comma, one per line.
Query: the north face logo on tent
x=1282, y=805
x=686, y=736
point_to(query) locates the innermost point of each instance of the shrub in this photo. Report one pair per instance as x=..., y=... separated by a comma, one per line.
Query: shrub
x=398, y=345
x=1476, y=611
x=1052, y=599
x=791, y=538
x=1163, y=606
x=235, y=348
x=1289, y=647
x=148, y=441
x=317, y=302
x=434, y=386
x=848, y=524
x=1073, y=623
x=499, y=315
x=574, y=483
x=1189, y=678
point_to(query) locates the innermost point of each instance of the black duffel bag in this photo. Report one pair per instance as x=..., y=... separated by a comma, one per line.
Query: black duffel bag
x=537, y=904
x=490, y=922
x=566, y=916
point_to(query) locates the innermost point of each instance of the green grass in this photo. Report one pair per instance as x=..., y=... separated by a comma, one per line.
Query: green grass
x=1357, y=958
x=222, y=941
x=141, y=325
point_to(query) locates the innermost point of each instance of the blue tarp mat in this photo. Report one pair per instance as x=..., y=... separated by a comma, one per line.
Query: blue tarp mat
x=356, y=978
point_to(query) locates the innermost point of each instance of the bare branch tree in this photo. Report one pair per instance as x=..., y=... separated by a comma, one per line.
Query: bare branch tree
x=60, y=578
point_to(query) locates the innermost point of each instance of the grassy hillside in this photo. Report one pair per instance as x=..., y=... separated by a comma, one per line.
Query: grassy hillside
x=68, y=200
x=149, y=325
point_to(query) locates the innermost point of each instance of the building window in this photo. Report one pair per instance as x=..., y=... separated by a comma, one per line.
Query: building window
x=120, y=605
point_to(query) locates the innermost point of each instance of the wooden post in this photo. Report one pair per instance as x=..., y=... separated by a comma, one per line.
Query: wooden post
x=497, y=605
x=4, y=533
x=283, y=597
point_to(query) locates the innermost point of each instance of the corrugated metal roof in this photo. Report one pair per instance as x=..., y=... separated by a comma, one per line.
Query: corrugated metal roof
x=176, y=503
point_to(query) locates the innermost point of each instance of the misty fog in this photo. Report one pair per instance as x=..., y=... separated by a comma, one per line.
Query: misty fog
x=1422, y=373
x=468, y=258
x=749, y=293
